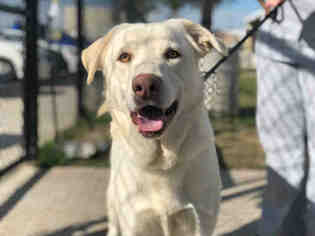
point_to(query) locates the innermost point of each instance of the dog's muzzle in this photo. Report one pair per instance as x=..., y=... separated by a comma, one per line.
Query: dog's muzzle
x=150, y=119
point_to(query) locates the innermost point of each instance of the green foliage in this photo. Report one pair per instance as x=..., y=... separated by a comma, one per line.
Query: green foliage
x=83, y=126
x=174, y=4
x=103, y=119
x=93, y=128
x=248, y=87
x=133, y=10
x=50, y=155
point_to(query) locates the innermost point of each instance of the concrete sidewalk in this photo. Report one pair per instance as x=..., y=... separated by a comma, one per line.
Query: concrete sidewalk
x=11, y=122
x=70, y=201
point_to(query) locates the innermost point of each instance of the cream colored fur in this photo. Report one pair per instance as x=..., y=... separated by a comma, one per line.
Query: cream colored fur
x=167, y=186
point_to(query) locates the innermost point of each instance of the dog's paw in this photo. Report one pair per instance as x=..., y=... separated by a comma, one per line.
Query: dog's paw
x=113, y=231
x=149, y=223
x=184, y=221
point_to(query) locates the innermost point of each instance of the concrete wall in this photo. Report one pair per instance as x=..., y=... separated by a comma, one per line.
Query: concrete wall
x=98, y=20
x=247, y=55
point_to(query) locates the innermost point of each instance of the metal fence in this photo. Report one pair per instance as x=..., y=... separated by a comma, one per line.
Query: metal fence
x=30, y=84
x=36, y=94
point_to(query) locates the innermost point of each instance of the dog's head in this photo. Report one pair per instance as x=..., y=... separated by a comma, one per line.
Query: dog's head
x=151, y=70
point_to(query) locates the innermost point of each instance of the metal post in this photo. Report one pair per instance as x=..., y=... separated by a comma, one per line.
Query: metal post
x=80, y=71
x=30, y=82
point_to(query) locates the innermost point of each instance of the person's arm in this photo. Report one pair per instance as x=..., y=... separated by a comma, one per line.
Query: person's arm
x=268, y=5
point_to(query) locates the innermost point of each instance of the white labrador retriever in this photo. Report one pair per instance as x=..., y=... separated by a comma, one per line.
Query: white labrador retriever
x=164, y=172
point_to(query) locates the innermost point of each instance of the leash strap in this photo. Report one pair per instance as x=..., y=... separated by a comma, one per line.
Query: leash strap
x=271, y=14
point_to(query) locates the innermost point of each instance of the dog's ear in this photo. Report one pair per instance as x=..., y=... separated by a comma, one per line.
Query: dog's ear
x=182, y=222
x=201, y=38
x=93, y=56
x=93, y=60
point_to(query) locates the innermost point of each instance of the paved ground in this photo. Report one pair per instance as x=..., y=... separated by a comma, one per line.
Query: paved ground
x=70, y=202
x=11, y=122
x=241, y=201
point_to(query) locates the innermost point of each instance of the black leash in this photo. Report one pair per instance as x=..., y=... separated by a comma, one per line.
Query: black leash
x=240, y=43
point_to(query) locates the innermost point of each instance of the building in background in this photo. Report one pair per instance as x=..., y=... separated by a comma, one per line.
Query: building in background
x=246, y=51
x=251, y=21
x=98, y=17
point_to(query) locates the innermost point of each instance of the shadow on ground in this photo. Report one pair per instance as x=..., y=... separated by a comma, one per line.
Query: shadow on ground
x=20, y=192
x=8, y=140
x=245, y=192
x=248, y=225
x=246, y=230
x=85, y=229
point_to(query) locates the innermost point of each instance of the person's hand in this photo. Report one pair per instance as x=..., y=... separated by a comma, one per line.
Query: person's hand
x=269, y=4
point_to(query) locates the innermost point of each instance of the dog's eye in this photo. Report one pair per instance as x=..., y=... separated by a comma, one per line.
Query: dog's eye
x=124, y=57
x=171, y=54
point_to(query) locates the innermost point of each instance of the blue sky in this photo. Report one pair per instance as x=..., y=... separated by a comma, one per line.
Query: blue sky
x=229, y=15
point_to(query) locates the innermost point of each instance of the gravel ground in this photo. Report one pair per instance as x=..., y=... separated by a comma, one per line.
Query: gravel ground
x=70, y=201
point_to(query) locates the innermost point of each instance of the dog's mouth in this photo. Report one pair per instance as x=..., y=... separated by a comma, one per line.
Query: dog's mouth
x=152, y=120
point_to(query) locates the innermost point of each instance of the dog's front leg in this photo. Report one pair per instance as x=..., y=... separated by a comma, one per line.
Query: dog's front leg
x=113, y=225
x=113, y=231
x=113, y=222
x=183, y=222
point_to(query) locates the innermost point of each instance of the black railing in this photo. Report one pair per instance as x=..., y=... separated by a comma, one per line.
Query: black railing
x=31, y=77
x=80, y=70
x=30, y=81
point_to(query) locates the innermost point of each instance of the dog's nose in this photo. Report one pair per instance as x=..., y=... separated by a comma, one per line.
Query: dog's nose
x=146, y=86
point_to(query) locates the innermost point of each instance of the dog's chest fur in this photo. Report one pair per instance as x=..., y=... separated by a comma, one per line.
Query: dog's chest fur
x=145, y=185
x=135, y=190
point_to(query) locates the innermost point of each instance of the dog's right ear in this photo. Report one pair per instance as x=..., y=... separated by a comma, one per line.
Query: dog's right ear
x=93, y=56
x=201, y=38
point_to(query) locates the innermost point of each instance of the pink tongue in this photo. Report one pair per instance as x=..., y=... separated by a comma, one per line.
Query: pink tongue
x=146, y=125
